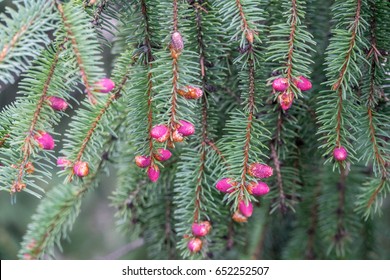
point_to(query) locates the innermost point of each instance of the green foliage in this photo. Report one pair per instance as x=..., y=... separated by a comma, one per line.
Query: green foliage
x=233, y=51
x=23, y=33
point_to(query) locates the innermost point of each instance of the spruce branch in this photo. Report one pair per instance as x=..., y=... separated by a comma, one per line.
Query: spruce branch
x=24, y=160
x=29, y=141
x=83, y=44
x=343, y=73
x=23, y=35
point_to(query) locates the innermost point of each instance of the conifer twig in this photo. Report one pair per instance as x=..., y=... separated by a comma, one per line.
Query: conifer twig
x=95, y=123
x=76, y=51
x=342, y=76
x=149, y=61
x=204, y=137
x=27, y=148
x=175, y=75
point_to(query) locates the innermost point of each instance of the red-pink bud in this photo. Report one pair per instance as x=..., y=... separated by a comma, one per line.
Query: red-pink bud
x=186, y=128
x=286, y=100
x=177, y=41
x=81, y=168
x=340, y=154
x=258, y=188
x=195, y=245
x=280, y=84
x=260, y=170
x=201, y=229
x=153, y=173
x=239, y=218
x=142, y=161
x=226, y=185
x=104, y=85
x=191, y=92
x=245, y=209
x=63, y=162
x=162, y=154
x=57, y=103
x=160, y=133
x=44, y=139
x=303, y=83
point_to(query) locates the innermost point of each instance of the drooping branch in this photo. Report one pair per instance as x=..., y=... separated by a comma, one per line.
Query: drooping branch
x=27, y=147
x=96, y=121
x=80, y=61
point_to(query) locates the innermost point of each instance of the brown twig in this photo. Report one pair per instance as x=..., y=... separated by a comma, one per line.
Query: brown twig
x=279, y=180
x=27, y=148
x=352, y=44
x=76, y=51
x=294, y=18
x=95, y=123
x=204, y=137
x=149, y=92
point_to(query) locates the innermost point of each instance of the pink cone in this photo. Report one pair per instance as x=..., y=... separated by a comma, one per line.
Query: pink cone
x=45, y=140
x=340, y=154
x=280, y=84
x=142, y=161
x=286, y=100
x=226, y=185
x=153, y=173
x=104, y=85
x=194, y=92
x=186, y=128
x=260, y=170
x=245, y=209
x=162, y=154
x=258, y=188
x=160, y=133
x=303, y=83
x=81, y=168
x=57, y=103
x=201, y=229
x=63, y=162
x=195, y=245
x=177, y=41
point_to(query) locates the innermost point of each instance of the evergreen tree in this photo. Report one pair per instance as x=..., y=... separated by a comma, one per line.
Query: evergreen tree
x=233, y=128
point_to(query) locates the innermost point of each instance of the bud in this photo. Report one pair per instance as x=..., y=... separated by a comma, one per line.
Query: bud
x=104, y=85
x=195, y=245
x=160, y=133
x=258, y=188
x=57, y=103
x=249, y=36
x=44, y=139
x=280, y=84
x=303, y=83
x=177, y=41
x=177, y=137
x=239, y=218
x=191, y=92
x=18, y=187
x=286, y=100
x=201, y=229
x=185, y=128
x=142, y=161
x=340, y=154
x=63, y=162
x=260, y=170
x=226, y=185
x=162, y=154
x=245, y=209
x=29, y=168
x=153, y=173
x=81, y=168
